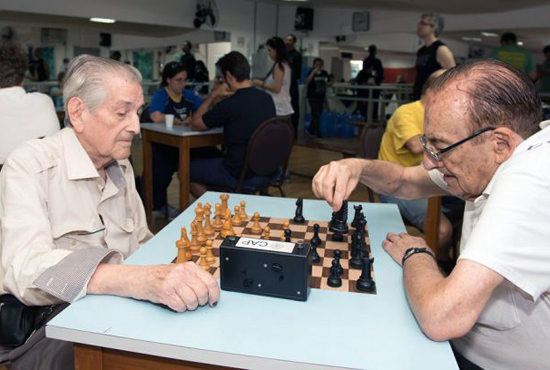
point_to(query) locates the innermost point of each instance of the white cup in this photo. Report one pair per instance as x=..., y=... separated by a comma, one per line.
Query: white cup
x=169, y=119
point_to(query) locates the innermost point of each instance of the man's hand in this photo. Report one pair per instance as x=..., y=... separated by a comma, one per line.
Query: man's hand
x=221, y=90
x=396, y=245
x=335, y=181
x=179, y=286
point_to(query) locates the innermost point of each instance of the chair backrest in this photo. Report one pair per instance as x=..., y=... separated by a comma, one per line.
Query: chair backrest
x=145, y=117
x=369, y=142
x=269, y=147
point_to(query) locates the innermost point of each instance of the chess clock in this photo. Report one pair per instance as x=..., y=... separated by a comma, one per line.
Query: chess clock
x=360, y=21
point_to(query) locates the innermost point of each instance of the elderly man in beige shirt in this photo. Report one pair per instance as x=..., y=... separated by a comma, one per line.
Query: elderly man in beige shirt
x=69, y=210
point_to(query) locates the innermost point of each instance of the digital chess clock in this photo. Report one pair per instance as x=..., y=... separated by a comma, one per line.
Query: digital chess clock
x=265, y=267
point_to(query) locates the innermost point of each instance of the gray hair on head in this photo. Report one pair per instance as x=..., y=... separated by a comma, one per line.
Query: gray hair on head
x=436, y=20
x=87, y=79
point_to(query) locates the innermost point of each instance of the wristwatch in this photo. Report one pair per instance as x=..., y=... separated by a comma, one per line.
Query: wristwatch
x=409, y=252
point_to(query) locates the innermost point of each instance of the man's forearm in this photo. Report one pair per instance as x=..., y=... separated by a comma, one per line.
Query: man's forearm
x=205, y=106
x=122, y=280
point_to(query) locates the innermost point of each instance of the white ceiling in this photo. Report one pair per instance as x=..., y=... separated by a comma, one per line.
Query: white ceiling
x=442, y=6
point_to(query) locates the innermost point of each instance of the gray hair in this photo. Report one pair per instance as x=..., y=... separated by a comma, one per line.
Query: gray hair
x=436, y=20
x=87, y=77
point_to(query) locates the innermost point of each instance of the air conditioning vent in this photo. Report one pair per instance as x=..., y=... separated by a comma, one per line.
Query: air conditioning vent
x=53, y=36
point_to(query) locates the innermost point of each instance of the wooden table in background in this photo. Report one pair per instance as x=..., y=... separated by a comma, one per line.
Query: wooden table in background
x=181, y=137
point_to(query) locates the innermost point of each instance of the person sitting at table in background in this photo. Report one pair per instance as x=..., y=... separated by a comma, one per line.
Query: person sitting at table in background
x=24, y=115
x=242, y=111
x=70, y=211
x=482, y=143
x=171, y=98
x=401, y=145
x=317, y=82
x=277, y=81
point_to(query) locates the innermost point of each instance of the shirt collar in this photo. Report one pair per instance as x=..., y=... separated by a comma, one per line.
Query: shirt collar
x=14, y=90
x=79, y=164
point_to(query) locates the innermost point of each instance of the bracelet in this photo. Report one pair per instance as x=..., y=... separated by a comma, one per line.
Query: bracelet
x=411, y=251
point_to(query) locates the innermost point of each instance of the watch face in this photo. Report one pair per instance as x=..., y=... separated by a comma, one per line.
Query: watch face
x=360, y=21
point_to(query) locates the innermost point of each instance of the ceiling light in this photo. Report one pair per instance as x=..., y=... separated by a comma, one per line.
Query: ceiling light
x=489, y=34
x=102, y=20
x=520, y=43
x=476, y=39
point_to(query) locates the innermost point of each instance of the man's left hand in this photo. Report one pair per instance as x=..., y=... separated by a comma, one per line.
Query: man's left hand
x=397, y=244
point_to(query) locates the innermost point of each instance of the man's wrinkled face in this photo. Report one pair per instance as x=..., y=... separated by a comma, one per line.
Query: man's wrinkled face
x=468, y=168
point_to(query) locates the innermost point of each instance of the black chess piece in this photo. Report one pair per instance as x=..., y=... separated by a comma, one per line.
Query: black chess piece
x=288, y=234
x=365, y=282
x=337, y=237
x=298, y=216
x=339, y=221
x=356, y=260
x=334, y=280
x=315, y=258
x=337, y=256
x=358, y=213
x=316, y=234
x=361, y=225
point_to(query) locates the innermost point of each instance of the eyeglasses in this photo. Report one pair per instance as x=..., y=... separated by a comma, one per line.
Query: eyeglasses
x=436, y=156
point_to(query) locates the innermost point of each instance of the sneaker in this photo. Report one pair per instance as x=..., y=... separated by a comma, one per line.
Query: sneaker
x=169, y=212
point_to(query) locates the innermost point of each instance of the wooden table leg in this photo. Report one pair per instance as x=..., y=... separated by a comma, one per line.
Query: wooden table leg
x=148, y=175
x=183, y=173
x=88, y=357
x=431, y=224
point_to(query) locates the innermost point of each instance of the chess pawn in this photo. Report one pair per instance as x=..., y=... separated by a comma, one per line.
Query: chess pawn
x=266, y=232
x=283, y=237
x=208, y=228
x=236, y=218
x=218, y=223
x=243, y=215
x=209, y=253
x=256, y=228
x=202, y=260
x=194, y=242
x=201, y=237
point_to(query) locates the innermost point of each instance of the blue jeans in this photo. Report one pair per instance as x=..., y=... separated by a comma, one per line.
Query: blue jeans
x=211, y=171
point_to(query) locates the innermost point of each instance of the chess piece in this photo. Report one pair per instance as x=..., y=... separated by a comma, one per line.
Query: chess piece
x=209, y=253
x=316, y=235
x=315, y=258
x=256, y=228
x=227, y=229
x=236, y=218
x=266, y=232
x=243, y=215
x=356, y=260
x=337, y=256
x=209, y=231
x=224, y=198
x=283, y=238
x=337, y=237
x=286, y=225
x=201, y=237
x=339, y=221
x=202, y=260
x=365, y=282
x=358, y=214
x=188, y=254
x=288, y=234
x=218, y=223
x=299, y=216
x=334, y=280
x=194, y=242
x=181, y=245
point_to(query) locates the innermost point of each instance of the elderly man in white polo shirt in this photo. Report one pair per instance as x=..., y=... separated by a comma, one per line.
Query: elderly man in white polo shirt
x=481, y=143
x=24, y=115
x=70, y=213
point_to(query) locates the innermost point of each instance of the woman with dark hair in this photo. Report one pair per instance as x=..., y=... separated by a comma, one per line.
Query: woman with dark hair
x=277, y=81
x=317, y=83
x=172, y=97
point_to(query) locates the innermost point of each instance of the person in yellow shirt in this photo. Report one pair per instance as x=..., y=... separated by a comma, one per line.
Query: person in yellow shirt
x=401, y=145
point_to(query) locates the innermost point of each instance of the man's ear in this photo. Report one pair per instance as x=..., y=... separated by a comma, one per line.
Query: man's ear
x=76, y=110
x=505, y=142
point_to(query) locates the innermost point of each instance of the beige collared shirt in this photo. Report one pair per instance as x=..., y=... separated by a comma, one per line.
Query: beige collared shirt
x=59, y=219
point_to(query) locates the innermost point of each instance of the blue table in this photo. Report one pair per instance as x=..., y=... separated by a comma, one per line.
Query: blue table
x=331, y=330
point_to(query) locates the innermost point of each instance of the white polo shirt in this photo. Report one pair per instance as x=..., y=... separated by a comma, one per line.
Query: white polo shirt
x=507, y=229
x=24, y=116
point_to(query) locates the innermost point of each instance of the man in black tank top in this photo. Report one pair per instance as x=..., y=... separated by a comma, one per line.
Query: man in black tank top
x=434, y=54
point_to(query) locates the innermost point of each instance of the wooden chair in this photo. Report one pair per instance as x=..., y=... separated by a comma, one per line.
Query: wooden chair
x=267, y=153
x=369, y=146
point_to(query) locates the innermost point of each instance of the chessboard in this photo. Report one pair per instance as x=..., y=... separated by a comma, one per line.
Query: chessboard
x=301, y=232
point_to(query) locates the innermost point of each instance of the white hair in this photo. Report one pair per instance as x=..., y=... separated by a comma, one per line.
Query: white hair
x=436, y=20
x=87, y=79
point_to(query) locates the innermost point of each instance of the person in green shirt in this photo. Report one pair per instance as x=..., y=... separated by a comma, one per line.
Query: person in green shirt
x=545, y=72
x=511, y=53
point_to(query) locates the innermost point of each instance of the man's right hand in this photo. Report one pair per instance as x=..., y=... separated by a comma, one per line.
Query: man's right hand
x=181, y=287
x=336, y=181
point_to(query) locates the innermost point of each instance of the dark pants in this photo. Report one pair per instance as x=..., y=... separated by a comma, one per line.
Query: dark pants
x=463, y=362
x=316, y=111
x=211, y=171
x=295, y=101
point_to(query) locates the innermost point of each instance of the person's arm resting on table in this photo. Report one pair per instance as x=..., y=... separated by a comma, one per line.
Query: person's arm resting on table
x=197, y=123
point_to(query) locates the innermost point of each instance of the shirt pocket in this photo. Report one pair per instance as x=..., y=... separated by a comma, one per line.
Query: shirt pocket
x=80, y=235
x=501, y=312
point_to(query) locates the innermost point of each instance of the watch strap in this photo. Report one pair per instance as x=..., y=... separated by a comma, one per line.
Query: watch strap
x=412, y=251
